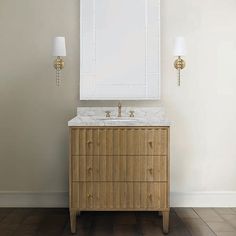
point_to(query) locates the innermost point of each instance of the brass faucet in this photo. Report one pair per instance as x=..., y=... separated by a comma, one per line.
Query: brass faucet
x=119, y=109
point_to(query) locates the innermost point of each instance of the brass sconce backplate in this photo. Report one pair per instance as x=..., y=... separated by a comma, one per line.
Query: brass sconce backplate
x=179, y=64
x=59, y=64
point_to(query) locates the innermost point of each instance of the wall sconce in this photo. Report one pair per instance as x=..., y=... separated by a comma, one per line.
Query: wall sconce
x=59, y=51
x=179, y=51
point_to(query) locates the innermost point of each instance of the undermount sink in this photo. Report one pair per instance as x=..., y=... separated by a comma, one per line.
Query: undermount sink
x=124, y=119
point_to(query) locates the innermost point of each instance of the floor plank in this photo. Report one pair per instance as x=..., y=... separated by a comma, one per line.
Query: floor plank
x=177, y=226
x=198, y=227
x=4, y=212
x=10, y=224
x=226, y=234
x=208, y=215
x=225, y=211
x=52, y=225
x=186, y=213
x=125, y=230
x=16, y=216
x=220, y=227
x=231, y=219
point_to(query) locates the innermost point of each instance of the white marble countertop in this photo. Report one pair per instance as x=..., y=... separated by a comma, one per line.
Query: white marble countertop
x=101, y=121
x=154, y=116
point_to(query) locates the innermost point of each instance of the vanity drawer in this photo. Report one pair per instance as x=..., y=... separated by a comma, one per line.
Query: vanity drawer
x=140, y=141
x=140, y=168
x=119, y=168
x=92, y=168
x=91, y=141
x=119, y=141
x=119, y=195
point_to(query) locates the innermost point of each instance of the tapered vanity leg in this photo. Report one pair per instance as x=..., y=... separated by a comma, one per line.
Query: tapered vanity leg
x=166, y=218
x=73, y=214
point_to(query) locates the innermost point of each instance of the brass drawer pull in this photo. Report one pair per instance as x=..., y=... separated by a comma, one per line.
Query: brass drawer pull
x=150, y=196
x=150, y=170
x=89, y=142
x=90, y=169
x=150, y=143
x=90, y=195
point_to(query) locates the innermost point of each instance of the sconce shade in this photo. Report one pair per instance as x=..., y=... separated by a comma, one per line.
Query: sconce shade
x=180, y=47
x=59, y=47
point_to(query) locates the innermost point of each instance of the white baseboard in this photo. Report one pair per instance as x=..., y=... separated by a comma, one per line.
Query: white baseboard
x=203, y=199
x=60, y=199
x=33, y=199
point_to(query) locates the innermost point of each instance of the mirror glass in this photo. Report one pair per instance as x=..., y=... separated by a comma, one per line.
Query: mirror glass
x=120, y=50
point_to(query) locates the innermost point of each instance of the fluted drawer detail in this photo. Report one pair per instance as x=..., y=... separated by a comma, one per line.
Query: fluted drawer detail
x=119, y=141
x=119, y=195
x=119, y=168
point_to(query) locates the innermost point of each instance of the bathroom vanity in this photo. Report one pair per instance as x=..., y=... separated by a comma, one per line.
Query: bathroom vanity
x=119, y=164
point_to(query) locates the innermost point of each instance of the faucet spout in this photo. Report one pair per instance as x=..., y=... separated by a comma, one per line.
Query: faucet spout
x=119, y=109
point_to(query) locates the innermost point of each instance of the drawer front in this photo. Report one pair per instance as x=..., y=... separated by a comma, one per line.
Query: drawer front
x=140, y=141
x=91, y=141
x=119, y=195
x=119, y=168
x=119, y=141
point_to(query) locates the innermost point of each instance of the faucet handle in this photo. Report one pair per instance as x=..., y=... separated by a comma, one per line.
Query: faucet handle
x=108, y=113
x=131, y=113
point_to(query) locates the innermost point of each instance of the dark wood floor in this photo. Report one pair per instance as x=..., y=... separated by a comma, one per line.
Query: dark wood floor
x=183, y=222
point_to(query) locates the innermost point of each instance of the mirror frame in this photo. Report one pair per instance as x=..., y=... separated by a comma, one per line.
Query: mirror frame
x=90, y=89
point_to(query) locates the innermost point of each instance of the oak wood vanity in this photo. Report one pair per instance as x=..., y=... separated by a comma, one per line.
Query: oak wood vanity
x=119, y=169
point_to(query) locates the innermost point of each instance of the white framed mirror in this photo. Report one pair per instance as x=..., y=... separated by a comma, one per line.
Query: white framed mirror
x=120, y=50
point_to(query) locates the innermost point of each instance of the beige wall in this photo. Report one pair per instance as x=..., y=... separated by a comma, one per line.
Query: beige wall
x=34, y=112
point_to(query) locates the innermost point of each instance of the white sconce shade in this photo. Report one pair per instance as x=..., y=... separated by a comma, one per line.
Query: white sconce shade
x=59, y=47
x=180, y=47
